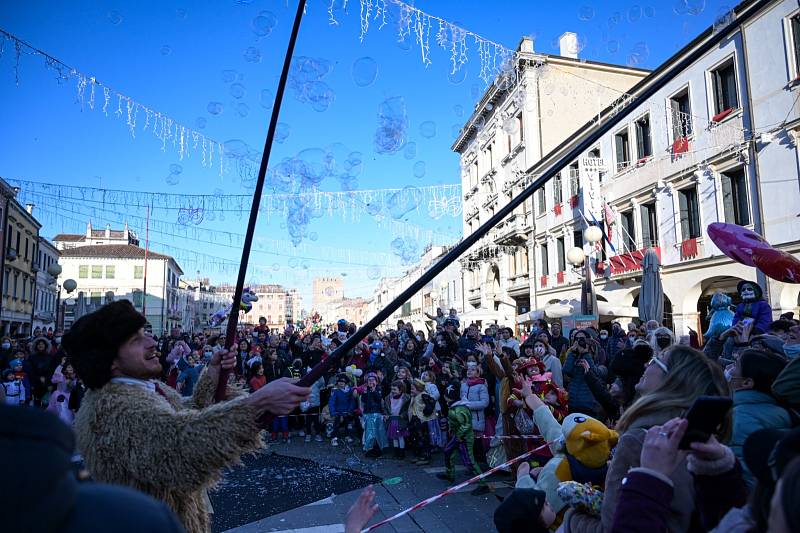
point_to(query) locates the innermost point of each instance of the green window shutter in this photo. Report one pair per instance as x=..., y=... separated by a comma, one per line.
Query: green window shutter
x=644, y=216
x=684, y=212
x=727, y=200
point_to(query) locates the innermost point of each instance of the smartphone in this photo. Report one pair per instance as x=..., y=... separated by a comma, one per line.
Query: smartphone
x=705, y=417
x=747, y=321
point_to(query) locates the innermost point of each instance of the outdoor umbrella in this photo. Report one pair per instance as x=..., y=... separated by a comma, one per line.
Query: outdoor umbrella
x=651, y=295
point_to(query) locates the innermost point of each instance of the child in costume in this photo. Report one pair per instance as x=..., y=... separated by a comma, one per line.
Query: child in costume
x=341, y=407
x=437, y=436
x=753, y=307
x=14, y=388
x=461, y=436
x=396, y=408
x=421, y=413
x=369, y=396
x=720, y=317
x=65, y=381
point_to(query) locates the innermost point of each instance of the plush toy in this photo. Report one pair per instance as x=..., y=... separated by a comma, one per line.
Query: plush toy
x=753, y=307
x=246, y=305
x=581, y=452
x=721, y=316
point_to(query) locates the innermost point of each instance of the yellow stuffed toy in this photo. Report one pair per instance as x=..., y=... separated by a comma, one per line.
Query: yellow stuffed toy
x=581, y=451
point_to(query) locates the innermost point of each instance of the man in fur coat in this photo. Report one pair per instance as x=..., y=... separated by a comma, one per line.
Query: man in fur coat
x=138, y=432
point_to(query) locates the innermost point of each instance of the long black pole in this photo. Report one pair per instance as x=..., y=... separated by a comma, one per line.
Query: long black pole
x=648, y=87
x=233, y=319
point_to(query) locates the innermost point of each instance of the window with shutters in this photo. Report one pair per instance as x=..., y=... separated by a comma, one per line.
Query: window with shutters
x=644, y=144
x=681, y=115
x=628, y=231
x=574, y=179
x=577, y=239
x=83, y=271
x=622, y=149
x=649, y=225
x=557, y=189
x=545, y=260
x=723, y=83
x=561, y=255
x=541, y=200
x=97, y=271
x=735, y=200
x=690, y=213
x=793, y=44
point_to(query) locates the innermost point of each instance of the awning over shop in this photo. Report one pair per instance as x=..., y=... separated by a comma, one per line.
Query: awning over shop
x=572, y=307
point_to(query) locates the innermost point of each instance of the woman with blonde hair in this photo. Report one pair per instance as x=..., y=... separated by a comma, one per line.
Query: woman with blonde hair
x=671, y=382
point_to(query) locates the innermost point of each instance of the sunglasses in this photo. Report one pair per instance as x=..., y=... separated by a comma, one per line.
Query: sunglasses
x=661, y=364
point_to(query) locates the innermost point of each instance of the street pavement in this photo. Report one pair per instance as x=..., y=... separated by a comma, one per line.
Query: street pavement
x=308, y=487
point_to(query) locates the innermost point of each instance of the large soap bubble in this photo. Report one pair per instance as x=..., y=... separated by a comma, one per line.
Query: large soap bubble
x=215, y=108
x=392, y=125
x=404, y=201
x=365, y=70
x=264, y=23
x=427, y=129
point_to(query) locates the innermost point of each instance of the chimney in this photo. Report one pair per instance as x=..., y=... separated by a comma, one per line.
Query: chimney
x=526, y=45
x=29, y=208
x=88, y=230
x=108, y=231
x=568, y=43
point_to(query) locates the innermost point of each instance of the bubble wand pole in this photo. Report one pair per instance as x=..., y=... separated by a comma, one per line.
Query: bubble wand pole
x=233, y=319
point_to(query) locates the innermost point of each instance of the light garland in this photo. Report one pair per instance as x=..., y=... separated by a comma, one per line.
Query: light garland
x=449, y=37
x=185, y=141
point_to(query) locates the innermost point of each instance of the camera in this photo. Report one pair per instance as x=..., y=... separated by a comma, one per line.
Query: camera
x=582, y=342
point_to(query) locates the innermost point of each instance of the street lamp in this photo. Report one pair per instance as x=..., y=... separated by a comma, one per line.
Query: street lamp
x=593, y=234
x=69, y=286
x=576, y=256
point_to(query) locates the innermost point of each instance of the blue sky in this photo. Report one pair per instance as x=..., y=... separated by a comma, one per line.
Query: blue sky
x=172, y=56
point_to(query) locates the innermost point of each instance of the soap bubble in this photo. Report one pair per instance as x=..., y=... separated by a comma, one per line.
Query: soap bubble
x=282, y=131
x=175, y=168
x=267, y=99
x=237, y=90
x=215, y=108
x=392, y=125
x=374, y=272
x=305, y=80
x=419, y=169
x=614, y=19
x=264, y=23
x=313, y=236
x=364, y=71
x=373, y=209
x=639, y=54
x=457, y=77
x=689, y=7
x=585, y=13
x=252, y=54
x=166, y=50
x=404, y=201
x=405, y=248
x=174, y=176
x=114, y=18
x=612, y=46
x=649, y=12
x=242, y=109
x=293, y=262
x=200, y=123
x=634, y=13
x=427, y=129
x=410, y=151
x=511, y=125
x=181, y=13
x=229, y=75
x=458, y=109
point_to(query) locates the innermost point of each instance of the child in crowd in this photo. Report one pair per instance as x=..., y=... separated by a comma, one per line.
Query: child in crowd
x=311, y=410
x=371, y=401
x=65, y=381
x=14, y=388
x=341, y=407
x=188, y=377
x=258, y=378
x=396, y=408
x=421, y=412
x=435, y=432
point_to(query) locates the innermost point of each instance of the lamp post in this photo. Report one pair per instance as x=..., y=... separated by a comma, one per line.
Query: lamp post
x=577, y=257
x=69, y=285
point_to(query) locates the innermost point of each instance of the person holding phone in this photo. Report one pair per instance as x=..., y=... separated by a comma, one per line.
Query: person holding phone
x=669, y=386
x=581, y=399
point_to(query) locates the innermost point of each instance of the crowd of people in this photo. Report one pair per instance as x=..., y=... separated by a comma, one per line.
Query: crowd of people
x=597, y=411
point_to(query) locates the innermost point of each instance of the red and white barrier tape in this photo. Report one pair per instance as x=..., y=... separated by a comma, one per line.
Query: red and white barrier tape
x=456, y=488
x=511, y=437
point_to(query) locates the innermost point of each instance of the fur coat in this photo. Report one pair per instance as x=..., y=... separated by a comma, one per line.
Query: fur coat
x=169, y=447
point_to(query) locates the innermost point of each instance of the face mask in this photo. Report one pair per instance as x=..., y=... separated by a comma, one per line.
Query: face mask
x=604, y=337
x=58, y=340
x=663, y=342
x=791, y=350
x=208, y=355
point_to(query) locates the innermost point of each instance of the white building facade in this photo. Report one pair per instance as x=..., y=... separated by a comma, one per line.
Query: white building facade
x=117, y=271
x=46, y=298
x=524, y=115
x=716, y=144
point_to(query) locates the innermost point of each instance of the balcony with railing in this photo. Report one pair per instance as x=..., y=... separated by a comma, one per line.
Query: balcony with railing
x=474, y=296
x=513, y=231
x=519, y=285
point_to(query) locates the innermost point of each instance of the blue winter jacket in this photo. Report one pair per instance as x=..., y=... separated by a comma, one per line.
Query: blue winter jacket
x=760, y=312
x=341, y=402
x=754, y=410
x=581, y=398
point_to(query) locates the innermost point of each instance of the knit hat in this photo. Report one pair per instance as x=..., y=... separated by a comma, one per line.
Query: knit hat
x=94, y=340
x=371, y=375
x=14, y=362
x=519, y=512
x=377, y=346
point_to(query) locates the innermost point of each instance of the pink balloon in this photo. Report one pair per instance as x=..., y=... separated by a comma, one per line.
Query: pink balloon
x=737, y=242
x=778, y=264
